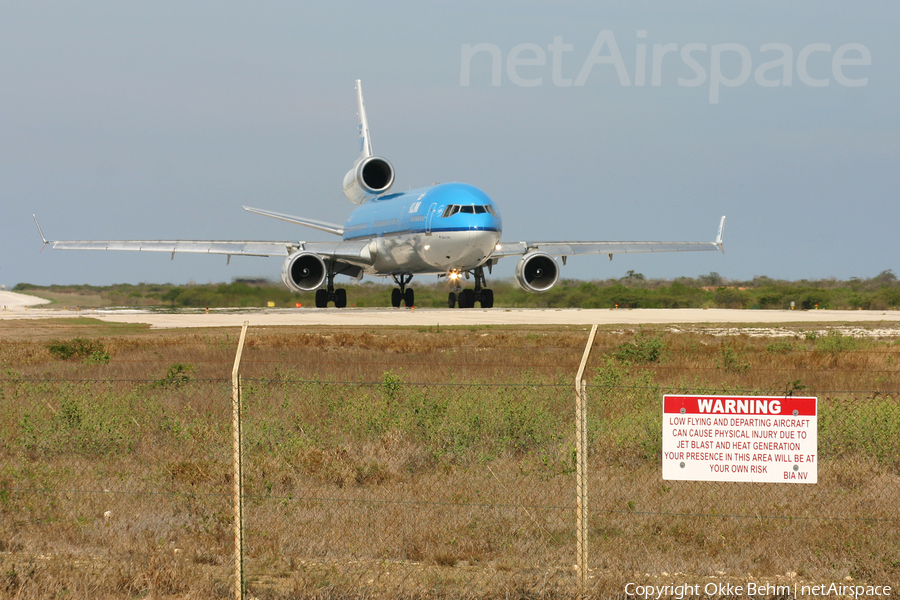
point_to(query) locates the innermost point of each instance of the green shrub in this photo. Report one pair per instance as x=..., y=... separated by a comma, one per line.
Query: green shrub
x=178, y=375
x=780, y=347
x=90, y=351
x=98, y=357
x=732, y=298
x=390, y=384
x=642, y=349
x=732, y=361
x=773, y=300
x=836, y=342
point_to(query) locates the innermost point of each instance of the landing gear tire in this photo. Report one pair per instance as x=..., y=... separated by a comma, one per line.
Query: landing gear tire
x=401, y=294
x=451, y=300
x=329, y=294
x=340, y=298
x=467, y=298
x=321, y=298
x=487, y=298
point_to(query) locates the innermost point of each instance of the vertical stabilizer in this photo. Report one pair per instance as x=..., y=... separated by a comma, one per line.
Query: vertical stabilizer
x=720, y=234
x=365, y=142
x=370, y=175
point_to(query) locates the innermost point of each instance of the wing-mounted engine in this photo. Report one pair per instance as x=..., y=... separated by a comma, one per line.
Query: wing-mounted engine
x=304, y=272
x=537, y=272
x=370, y=176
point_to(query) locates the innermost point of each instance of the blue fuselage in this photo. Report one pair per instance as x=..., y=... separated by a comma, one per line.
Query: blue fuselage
x=443, y=228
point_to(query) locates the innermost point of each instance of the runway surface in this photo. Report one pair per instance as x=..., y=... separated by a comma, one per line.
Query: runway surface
x=448, y=317
x=15, y=300
x=21, y=306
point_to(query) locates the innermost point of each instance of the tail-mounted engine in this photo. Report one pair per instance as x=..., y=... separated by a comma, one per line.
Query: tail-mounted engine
x=537, y=272
x=304, y=272
x=370, y=176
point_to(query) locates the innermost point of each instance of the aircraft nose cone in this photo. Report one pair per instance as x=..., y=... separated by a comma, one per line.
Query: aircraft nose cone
x=483, y=242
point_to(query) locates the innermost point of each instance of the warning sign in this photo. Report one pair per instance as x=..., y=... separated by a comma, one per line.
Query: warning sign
x=740, y=438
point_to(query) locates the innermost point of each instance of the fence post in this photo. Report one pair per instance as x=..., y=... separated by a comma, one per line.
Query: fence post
x=581, y=466
x=238, y=443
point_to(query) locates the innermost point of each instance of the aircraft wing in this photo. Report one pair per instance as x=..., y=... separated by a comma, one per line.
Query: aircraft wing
x=320, y=225
x=236, y=248
x=610, y=248
x=354, y=252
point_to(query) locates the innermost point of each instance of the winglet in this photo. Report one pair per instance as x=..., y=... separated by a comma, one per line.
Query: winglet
x=39, y=231
x=719, y=235
x=365, y=142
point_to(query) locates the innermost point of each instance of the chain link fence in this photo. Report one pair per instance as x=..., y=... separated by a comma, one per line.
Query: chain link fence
x=123, y=488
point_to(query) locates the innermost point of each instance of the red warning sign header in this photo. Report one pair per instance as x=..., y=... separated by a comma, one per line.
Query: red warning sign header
x=786, y=406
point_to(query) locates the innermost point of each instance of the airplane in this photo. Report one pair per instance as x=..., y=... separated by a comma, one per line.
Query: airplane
x=451, y=230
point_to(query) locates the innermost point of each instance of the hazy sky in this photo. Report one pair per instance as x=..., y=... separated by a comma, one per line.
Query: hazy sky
x=159, y=119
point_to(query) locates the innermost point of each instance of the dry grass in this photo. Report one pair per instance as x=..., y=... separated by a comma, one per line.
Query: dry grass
x=408, y=483
x=494, y=353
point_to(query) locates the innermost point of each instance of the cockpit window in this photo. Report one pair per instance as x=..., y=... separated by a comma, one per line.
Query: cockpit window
x=471, y=209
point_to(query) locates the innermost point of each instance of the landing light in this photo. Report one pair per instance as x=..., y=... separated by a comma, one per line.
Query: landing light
x=427, y=246
x=453, y=275
x=498, y=247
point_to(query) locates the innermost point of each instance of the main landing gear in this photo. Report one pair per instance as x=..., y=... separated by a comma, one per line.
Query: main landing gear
x=466, y=298
x=324, y=296
x=402, y=294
